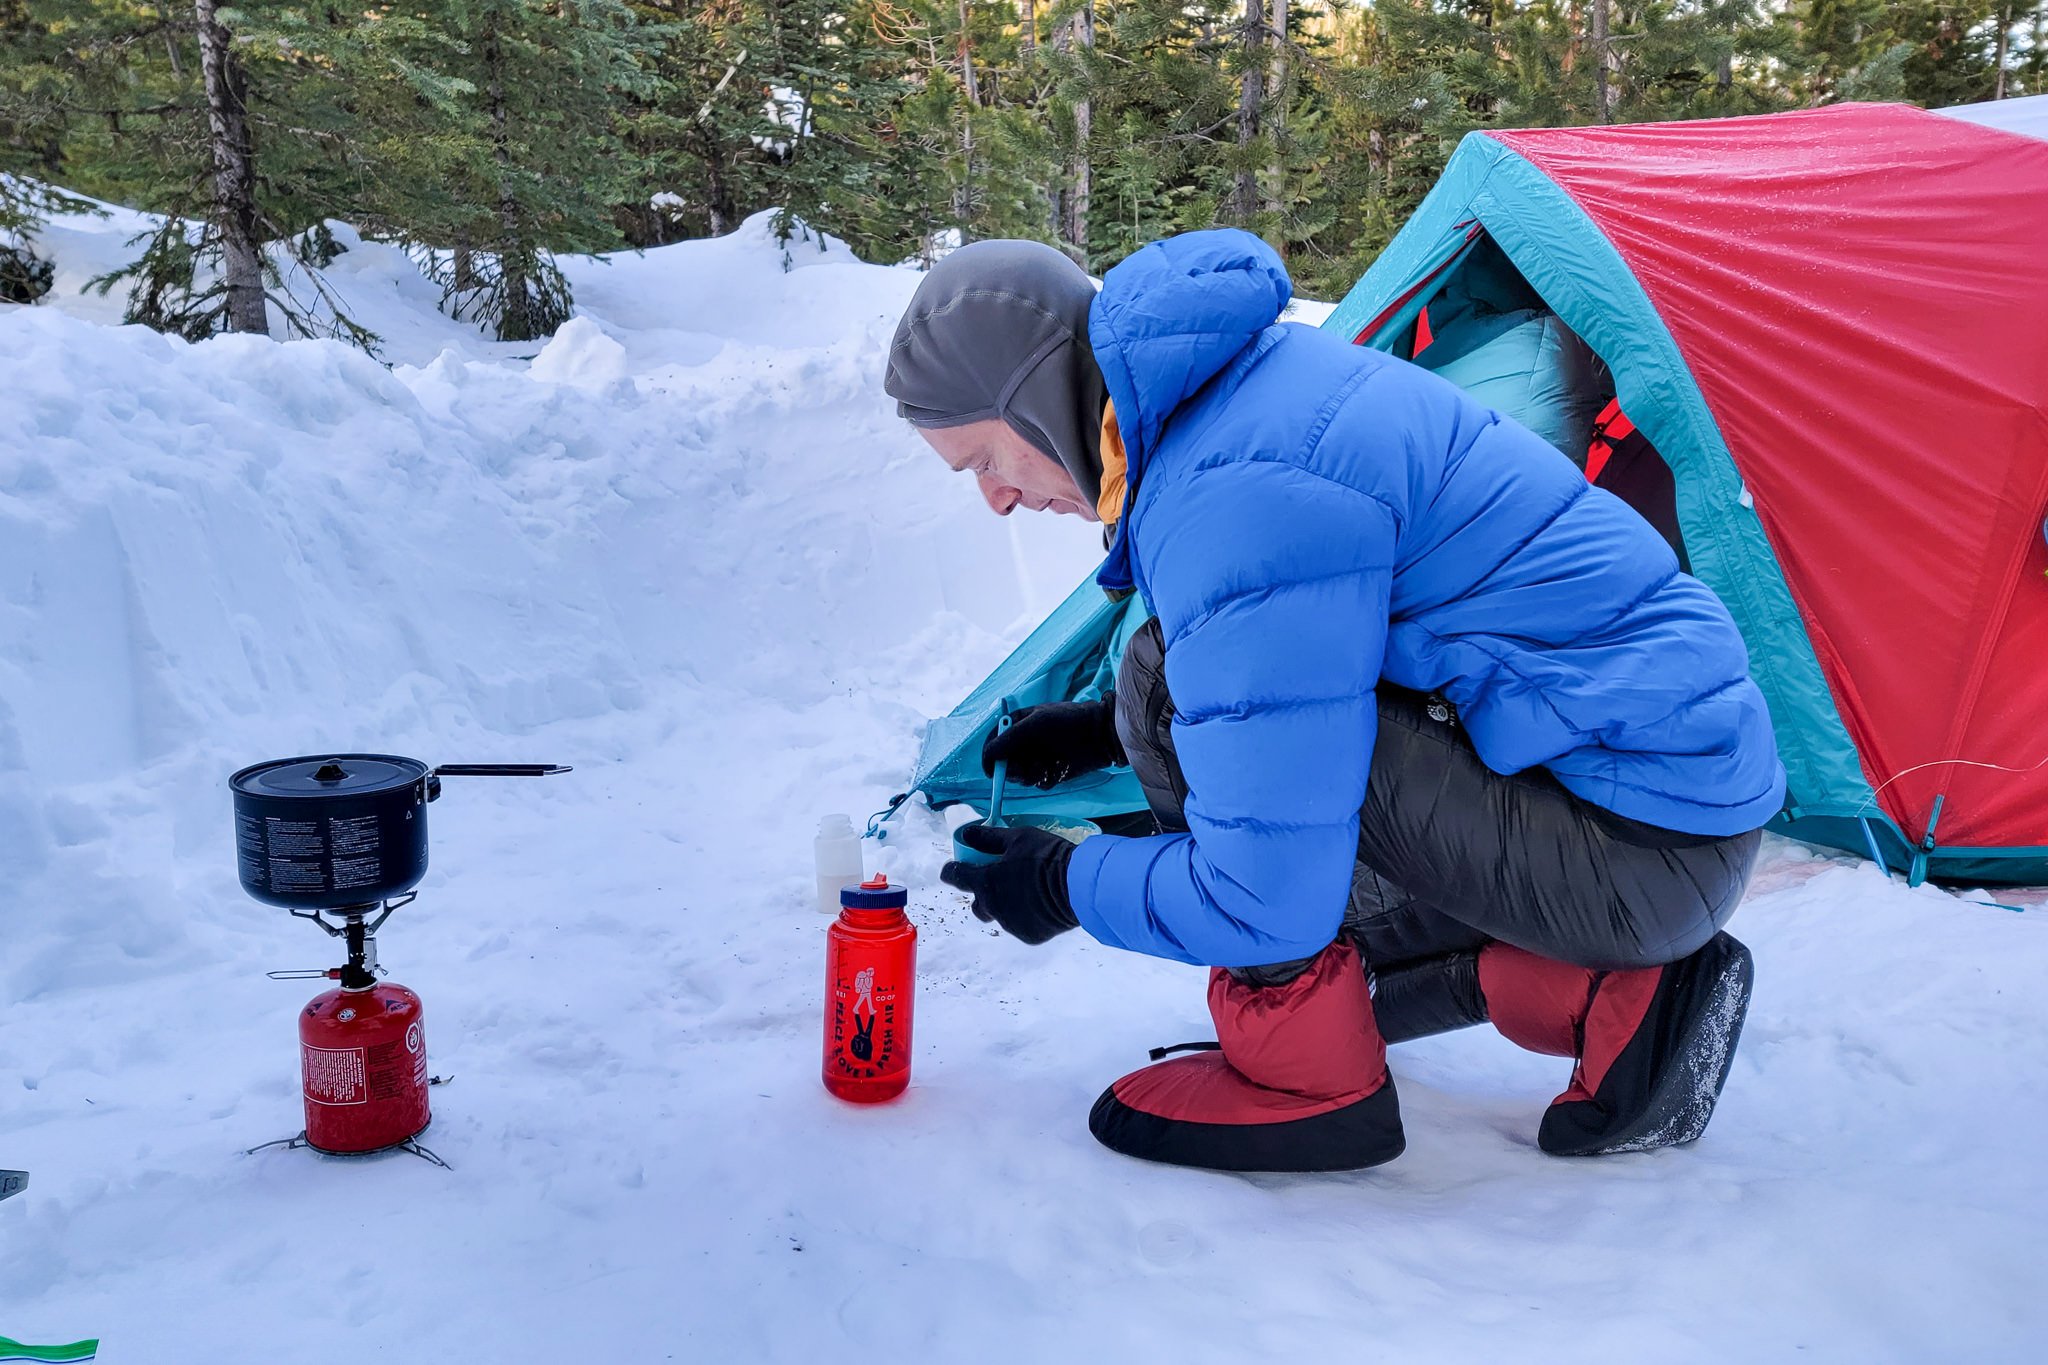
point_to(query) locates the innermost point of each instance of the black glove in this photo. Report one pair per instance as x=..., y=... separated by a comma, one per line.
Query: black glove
x=1048, y=744
x=1025, y=892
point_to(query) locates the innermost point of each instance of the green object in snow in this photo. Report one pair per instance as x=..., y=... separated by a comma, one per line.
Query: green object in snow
x=11, y=1349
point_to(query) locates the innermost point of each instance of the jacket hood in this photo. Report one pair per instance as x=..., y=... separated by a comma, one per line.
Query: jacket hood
x=1173, y=315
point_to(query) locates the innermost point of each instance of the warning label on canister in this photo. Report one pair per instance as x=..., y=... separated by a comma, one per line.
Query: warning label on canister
x=334, y=1075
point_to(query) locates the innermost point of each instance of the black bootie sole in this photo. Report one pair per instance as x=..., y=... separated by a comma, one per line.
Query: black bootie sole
x=1662, y=1089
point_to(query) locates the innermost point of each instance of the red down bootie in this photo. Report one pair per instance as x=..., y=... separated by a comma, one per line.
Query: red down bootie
x=1299, y=1082
x=1652, y=1045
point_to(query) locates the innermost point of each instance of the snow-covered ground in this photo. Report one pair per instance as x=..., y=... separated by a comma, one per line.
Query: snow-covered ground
x=685, y=547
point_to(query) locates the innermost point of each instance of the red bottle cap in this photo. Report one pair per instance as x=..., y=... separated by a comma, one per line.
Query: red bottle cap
x=876, y=893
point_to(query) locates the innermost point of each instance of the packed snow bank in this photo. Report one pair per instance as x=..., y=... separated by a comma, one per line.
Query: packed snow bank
x=685, y=547
x=215, y=554
x=196, y=533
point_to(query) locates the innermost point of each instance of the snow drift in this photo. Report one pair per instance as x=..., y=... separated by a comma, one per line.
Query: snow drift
x=686, y=547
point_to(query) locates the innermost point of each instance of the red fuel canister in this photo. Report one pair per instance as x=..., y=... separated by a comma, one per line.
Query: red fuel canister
x=363, y=1061
x=870, y=981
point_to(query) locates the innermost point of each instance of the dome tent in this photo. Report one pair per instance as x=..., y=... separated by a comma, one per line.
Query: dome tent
x=1829, y=324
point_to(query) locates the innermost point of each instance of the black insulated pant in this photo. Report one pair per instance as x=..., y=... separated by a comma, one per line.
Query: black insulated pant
x=1453, y=856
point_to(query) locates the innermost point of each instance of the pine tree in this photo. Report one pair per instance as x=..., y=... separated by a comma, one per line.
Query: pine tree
x=1953, y=57
x=166, y=109
x=1251, y=154
x=1072, y=197
x=1166, y=99
x=1405, y=80
x=525, y=158
x=1705, y=60
x=2030, y=72
x=886, y=130
x=32, y=123
x=1848, y=50
x=697, y=133
x=490, y=134
x=961, y=134
x=811, y=176
x=232, y=150
x=1020, y=159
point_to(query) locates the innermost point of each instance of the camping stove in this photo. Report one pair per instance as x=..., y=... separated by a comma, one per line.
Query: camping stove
x=341, y=840
x=362, y=1046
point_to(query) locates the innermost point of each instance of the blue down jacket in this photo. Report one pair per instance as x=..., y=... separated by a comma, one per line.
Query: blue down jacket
x=1307, y=517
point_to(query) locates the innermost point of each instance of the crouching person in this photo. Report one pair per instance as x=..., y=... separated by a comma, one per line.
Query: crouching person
x=1435, y=733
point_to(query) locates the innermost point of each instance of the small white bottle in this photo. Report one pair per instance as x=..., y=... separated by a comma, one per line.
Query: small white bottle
x=838, y=857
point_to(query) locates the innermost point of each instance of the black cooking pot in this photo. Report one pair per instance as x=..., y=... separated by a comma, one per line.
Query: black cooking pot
x=333, y=830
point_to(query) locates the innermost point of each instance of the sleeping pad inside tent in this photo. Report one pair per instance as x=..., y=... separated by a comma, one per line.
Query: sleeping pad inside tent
x=1808, y=348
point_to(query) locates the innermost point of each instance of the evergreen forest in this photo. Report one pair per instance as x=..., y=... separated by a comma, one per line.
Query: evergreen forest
x=487, y=136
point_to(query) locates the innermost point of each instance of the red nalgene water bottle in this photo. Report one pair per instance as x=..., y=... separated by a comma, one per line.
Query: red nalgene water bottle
x=870, y=977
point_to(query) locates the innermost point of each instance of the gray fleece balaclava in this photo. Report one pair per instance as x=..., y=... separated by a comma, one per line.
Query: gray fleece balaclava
x=1000, y=329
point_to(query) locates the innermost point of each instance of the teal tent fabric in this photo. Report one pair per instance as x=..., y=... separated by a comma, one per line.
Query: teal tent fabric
x=1489, y=194
x=1072, y=656
x=1493, y=225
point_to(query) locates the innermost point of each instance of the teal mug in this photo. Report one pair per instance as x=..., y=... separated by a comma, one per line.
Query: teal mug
x=1068, y=827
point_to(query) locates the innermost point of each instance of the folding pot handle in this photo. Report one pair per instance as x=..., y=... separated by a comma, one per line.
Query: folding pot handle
x=489, y=770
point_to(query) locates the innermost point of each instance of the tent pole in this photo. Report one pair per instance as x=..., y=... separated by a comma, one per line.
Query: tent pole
x=1870, y=839
x=1917, y=872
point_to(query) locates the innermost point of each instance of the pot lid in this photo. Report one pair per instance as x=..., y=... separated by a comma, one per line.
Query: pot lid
x=328, y=775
